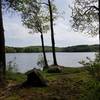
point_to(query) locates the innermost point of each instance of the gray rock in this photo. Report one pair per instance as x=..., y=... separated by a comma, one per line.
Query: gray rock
x=35, y=79
x=54, y=69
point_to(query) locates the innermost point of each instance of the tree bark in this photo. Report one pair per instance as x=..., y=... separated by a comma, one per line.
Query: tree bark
x=44, y=54
x=52, y=33
x=99, y=27
x=2, y=48
x=99, y=37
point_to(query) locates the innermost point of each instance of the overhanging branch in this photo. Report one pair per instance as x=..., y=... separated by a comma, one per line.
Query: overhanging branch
x=90, y=7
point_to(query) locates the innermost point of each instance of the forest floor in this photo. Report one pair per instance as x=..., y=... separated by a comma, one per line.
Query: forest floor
x=70, y=84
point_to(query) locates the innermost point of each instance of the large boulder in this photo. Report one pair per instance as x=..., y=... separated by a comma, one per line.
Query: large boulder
x=54, y=69
x=35, y=79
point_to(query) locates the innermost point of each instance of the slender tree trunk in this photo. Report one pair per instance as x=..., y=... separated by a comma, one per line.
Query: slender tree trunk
x=43, y=50
x=2, y=48
x=52, y=33
x=99, y=27
x=99, y=37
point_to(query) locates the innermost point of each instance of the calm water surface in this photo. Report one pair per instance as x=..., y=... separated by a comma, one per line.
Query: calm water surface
x=27, y=61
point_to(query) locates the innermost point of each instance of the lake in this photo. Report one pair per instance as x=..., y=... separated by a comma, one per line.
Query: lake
x=27, y=61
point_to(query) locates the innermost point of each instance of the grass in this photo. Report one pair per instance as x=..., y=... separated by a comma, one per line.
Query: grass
x=15, y=77
x=70, y=84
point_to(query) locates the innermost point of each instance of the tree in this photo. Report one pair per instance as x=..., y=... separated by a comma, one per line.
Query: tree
x=52, y=32
x=21, y=5
x=34, y=18
x=85, y=17
x=2, y=48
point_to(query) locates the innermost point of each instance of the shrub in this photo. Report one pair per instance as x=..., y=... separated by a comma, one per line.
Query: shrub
x=12, y=66
x=93, y=67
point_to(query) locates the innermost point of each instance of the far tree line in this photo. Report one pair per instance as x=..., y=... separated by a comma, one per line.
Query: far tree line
x=35, y=49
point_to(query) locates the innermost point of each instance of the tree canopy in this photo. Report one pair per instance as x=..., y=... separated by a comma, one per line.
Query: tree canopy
x=85, y=16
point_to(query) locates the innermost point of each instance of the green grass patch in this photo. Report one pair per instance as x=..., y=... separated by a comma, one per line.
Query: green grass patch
x=18, y=77
x=70, y=84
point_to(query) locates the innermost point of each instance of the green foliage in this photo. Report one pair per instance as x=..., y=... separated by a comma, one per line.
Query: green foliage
x=82, y=48
x=13, y=97
x=12, y=72
x=93, y=66
x=17, y=77
x=79, y=48
x=30, y=49
x=71, y=83
x=34, y=13
x=10, y=50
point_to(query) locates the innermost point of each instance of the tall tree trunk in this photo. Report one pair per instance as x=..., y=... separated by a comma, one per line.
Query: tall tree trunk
x=43, y=50
x=99, y=37
x=2, y=48
x=52, y=33
x=99, y=27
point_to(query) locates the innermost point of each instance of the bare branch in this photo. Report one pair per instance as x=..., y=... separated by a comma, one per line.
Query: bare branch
x=95, y=7
x=44, y=3
x=90, y=9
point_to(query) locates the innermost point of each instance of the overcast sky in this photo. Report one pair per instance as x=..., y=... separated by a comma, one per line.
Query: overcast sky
x=17, y=35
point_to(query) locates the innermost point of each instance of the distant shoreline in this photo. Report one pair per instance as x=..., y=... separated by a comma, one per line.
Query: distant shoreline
x=48, y=52
x=38, y=49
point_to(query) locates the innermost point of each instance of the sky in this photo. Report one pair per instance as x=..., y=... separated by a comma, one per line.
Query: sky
x=17, y=35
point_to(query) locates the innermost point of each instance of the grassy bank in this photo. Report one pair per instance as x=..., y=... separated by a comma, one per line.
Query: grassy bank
x=70, y=84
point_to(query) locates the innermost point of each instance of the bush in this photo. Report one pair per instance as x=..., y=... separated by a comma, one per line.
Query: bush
x=93, y=67
x=12, y=66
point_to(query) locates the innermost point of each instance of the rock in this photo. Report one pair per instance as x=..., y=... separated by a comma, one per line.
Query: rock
x=35, y=79
x=54, y=69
